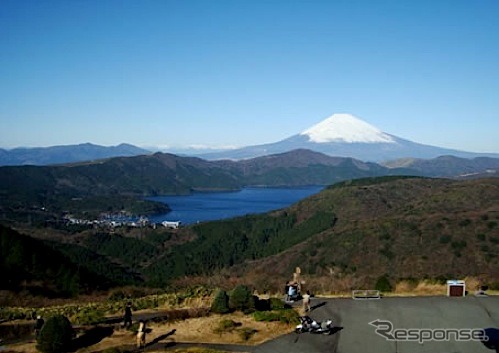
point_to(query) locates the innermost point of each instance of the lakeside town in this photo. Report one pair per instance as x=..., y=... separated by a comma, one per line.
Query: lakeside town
x=117, y=220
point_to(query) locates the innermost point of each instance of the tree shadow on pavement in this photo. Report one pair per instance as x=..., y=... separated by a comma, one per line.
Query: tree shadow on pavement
x=160, y=338
x=92, y=336
x=491, y=338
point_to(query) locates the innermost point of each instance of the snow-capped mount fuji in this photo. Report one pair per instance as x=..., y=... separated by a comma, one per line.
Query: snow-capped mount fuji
x=344, y=135
x=346, y=128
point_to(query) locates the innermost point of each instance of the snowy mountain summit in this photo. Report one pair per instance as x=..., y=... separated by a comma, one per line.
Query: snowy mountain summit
x=346, y=128
x=344, y=135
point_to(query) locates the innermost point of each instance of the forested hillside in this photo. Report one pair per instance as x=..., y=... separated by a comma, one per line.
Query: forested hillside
x=347, y=236
x=39, y=195
x=32, y=194
x=398, y=228
x=29, y=264
x=224, y=244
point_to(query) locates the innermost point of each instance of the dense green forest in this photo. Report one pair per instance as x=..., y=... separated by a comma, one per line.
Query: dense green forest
x=226, y=243
x=29, y=264
x=118, y=273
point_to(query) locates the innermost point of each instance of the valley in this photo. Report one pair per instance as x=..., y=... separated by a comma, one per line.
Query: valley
x=400, y=234
x=349, y=235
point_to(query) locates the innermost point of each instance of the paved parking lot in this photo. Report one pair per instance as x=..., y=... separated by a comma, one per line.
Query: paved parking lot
x=359, y=336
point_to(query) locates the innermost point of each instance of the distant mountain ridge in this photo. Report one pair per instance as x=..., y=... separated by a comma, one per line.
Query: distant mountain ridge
x=122, y=183
x=66, y=154
x=163, y=173
x=340, y=135
x=344, y=135
x=449, y=166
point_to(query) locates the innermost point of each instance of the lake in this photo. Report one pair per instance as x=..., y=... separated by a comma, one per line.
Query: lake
x=203, y=206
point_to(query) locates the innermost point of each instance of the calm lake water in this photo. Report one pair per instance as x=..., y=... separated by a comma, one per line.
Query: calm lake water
x=200, y=207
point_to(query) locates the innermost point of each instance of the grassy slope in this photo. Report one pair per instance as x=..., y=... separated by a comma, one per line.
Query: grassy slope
x=404, y=228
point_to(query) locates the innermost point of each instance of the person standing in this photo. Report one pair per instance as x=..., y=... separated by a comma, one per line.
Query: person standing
x=141, y=335
x=292, y=295
x=38, y=325
x=286, y=291
x=127, y=317
x=306, y=302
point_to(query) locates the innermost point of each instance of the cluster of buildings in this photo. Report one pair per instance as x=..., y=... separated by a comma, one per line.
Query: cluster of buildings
x=116, y=221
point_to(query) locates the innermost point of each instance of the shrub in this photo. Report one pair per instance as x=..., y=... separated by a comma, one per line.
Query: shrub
x=266, y=316
x=241, y=298
x=286, y=316
x=278, y=304
x=226, y=326
x=90, y=316
x=270, y=304
x=383, y=284
x=220, y=304
x=56, y=335
x=289, y=317
x=117, y=295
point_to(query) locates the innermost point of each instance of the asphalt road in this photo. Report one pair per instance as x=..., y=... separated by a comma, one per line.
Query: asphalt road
x=322, y=309
x=358, y=336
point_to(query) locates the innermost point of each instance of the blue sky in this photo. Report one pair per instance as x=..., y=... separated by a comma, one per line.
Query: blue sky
x=236, y=73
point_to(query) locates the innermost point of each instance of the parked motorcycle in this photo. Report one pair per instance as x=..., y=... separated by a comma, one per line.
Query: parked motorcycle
x=307, y=324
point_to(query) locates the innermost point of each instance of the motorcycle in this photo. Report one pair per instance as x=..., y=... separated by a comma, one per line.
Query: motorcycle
x=307, y=324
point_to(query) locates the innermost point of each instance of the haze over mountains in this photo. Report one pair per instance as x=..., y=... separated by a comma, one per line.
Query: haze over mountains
x=381, y=221
x=66, y=154
x=340, y=135
x=344, y=135
x=114, y=183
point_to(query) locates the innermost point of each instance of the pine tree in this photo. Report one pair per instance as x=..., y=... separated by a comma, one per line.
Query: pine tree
x=241, y=298
x=220, y=303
